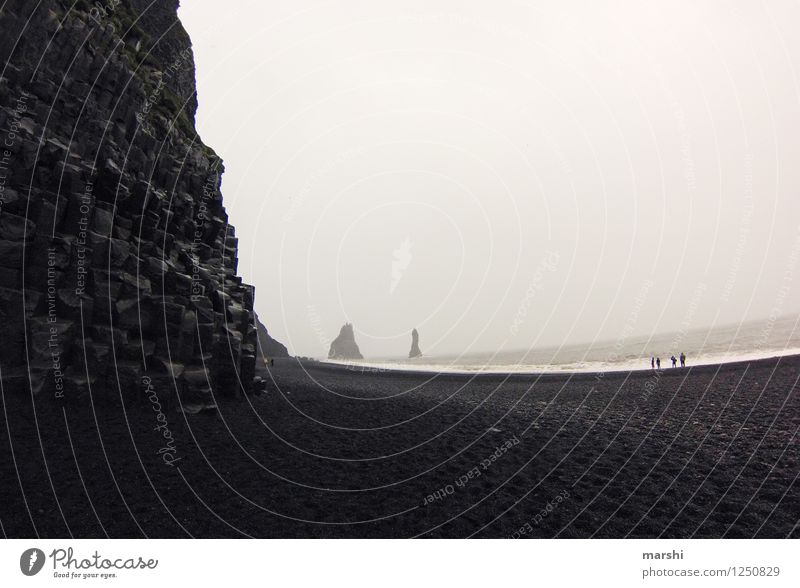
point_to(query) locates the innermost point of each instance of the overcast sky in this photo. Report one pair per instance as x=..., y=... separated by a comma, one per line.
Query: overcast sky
x=505, y=174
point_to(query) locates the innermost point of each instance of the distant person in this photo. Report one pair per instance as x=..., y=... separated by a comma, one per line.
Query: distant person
x=658, y=363
x=653, y=362
x=683, y=359
x=674, y=361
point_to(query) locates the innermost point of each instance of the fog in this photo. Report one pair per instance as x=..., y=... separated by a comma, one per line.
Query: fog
x=508, y=174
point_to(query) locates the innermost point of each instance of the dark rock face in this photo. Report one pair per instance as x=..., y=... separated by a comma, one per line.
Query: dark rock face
x=118, y=268
x=344, y=346
x=269, y=347
x=415, y=352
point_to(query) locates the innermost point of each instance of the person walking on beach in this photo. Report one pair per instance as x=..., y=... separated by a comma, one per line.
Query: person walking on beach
x=653, y=362
x=683, y=359
x=658, y=363
x=674, y=361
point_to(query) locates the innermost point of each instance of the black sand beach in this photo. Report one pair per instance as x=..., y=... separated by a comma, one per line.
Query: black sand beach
x=333, y=452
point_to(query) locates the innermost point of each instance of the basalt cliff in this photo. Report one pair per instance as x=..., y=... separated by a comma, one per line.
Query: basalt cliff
x=269, y=347
x=118, y=267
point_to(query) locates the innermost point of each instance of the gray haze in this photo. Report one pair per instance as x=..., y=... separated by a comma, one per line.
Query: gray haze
x=505, y=174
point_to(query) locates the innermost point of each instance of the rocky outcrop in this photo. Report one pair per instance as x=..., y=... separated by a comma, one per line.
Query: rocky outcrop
x=268, y=346
x=415, y=352
x=344, y=346
x=118, y=268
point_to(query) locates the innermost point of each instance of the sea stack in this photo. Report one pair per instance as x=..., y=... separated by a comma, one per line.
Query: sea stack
x=415, y=352
x=344, y=346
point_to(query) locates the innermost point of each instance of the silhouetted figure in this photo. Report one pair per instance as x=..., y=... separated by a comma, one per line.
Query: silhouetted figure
x=653, y=362
x=674, y=361
x=683, y=359
x=658, y=363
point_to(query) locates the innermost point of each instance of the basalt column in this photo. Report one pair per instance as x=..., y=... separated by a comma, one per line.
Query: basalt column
x=117, y=262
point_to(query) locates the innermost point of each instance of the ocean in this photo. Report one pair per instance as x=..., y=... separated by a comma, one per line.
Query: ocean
x=746, y=341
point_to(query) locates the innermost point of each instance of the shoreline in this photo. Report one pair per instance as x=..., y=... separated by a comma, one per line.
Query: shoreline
x=378, y=369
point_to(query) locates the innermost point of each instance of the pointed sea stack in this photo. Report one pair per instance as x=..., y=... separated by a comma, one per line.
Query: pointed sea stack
x=415, y=352
x=344, y=346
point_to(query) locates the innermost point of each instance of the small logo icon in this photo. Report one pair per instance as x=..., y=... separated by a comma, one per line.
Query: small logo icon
x=402, y=259
x=31, y=561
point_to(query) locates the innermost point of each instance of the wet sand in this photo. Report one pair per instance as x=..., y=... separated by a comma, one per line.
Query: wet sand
x=329, y=451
